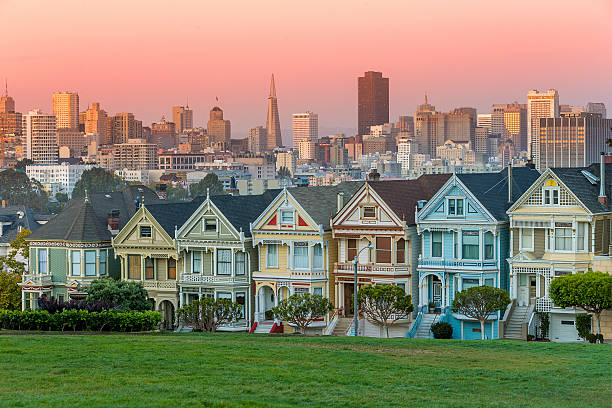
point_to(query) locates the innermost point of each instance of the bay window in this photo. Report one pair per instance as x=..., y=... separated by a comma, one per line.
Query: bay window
x=224, y=261
x=317, y=291
x=470, y=245
x=300, y=255
x=436, y=244
x=469, y=283
x=272, y=256
x=527, y=239
x=563, y=239
x=90, y=263
x=75, y=263
x=240, y=263
x=581, y=236
x=317, y=256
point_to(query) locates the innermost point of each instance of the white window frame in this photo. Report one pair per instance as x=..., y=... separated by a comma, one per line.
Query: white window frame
x=585, y=239
x=572, y=239
x=269, y=258
x=94, y=262
x=201, y=271
x=530, y=248
x=551, y=190
x=431, y=242
x=46, y=252
x=205, y=222
x=455, y=200
x=72, y=263
x=317, y=289
x=218, y=260
x=317, y=260
x=306, y=256
x=243, y=272
x=285, y=212
x=103, y=262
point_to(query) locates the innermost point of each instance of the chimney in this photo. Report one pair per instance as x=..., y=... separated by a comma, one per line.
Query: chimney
x=340, y=201
x=603, y=199
x=160, y=189
x=113, y=220
x=374, y=175
x=509, y=182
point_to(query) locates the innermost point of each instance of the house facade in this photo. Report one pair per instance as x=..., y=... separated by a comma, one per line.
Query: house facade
x=560, y=226
x=465, y=243
x=296, y=249
x=66, y=254
x=380, y=215
x=217, y=253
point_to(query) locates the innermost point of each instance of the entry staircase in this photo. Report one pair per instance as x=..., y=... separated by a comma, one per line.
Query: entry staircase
x=513, y=329
x=264, y=327
x=342, y=326
x=425, y=326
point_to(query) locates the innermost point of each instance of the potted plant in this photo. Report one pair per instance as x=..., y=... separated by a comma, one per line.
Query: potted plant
x=432, y=307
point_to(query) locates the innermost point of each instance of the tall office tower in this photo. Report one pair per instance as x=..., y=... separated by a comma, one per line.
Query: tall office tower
x=218, y=129
x=272, y=122
x=163, y=133
x=258, y=139
x=40, y=137
x=96, y=122
x=539, y=105
x=73, y=139
x=515, y=126
x=66, y=109
x=7, y=103
x=597, y=107
x=135, y=154
x=124, y=127
x=429, y=131
x=182, y=117
x=481, y=138
x=405, y=125
x=305, y=127
x=460, y=125
x=572, y=140
x=484, y=120
x=426, y=106
x=372, y=101
x=497, y=118
x=9, y=119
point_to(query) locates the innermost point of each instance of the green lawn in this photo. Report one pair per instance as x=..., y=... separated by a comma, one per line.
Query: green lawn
x=160, y=370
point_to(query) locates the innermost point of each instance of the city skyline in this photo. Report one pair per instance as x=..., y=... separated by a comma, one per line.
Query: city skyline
x=470, y=67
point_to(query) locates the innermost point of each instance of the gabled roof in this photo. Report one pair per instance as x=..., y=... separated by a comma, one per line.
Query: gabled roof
x=491, y=189
x=586, y=192
x=321, y=202
x=126, y=201
x=402, y=195
x=19, y=216
x=240, y=211
x=78, y=222
x=173, y=215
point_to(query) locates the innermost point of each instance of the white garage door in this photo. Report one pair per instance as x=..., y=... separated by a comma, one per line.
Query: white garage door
x=563, y=328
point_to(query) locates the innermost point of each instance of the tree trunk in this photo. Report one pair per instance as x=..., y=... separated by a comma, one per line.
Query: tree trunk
x=598, y=324
x=482, y=329
x=387, y=329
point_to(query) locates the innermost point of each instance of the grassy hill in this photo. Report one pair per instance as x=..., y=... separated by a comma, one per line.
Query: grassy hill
x=159, y=370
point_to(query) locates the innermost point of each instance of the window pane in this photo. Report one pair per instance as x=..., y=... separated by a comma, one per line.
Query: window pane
x=451, y=206
x=149, y=268
x=369, y=212
x=145, y=231
x=469, y=283
x=436, y=244
x=224, y=261
x=317, y=256
x=459, y=207
x=401, y=251
x=75, y=261
x=383, y=250
x=489, y=247
x=352, y=249
x=286, y=217
x=90, y=263
x=581, y=235
x=470, y=245
x=241, y=300
x=133, y=266
x=102, y=262
x=240, y=263
x=42, y=261
x=171, y=268
x=317, y=291
x=197, y=262
x=563, y=239
x=300, y=256
x=526, y=238
x=272, y=256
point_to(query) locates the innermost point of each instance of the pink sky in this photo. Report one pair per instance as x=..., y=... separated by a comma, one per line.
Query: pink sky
x=146, y=56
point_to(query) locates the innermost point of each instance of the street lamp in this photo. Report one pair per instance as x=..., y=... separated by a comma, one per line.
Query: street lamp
x=355, y=319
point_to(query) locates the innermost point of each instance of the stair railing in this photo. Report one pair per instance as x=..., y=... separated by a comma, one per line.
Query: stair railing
x=332, y=323
x=504, y=320
x=415, y=325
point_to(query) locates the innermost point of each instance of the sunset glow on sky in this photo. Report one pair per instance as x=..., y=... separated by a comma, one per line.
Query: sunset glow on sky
x=146, y=56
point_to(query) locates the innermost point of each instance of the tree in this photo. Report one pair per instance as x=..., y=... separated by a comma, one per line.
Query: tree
x=97, y=180
x=302, y=309
x=11, y=269
x=17, y=188
x=591, y=291
x=283, y=172
x=176, y=194
x=21, y=164
x=384, y=304
x=61, y=198
x=208, y=314
x=480, y=302
x=128, y=295
x=210, y=182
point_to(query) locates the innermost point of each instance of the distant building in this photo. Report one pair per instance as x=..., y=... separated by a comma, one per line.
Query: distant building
x=182, y=117
x=286, y=160
x=273, y=122
x=307, y=150
x=97, y=122
x=136, y=154
x=372, y=101
x=481, y=136
x=163, y=134
x=40, y=137
x=57, y=178
x=539, y=105
x=219, y=130
x=259, y=167
x=406, y=124
x=305, y=127
x=125, y=127
x=597, y=107
x=258, y=139
x=515, y=125
x=73, y=139
x=66, y=109
x=484, y=120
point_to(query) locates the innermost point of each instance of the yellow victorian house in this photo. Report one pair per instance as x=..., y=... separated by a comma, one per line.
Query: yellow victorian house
x=559, y=226
x=147, y=249
x=296, y=249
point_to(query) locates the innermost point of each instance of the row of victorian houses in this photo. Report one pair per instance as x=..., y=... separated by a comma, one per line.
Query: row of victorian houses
x=432, y=236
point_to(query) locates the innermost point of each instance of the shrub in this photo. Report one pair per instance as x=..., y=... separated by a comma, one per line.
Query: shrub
x=302, y=309
x=52, y=305
x=208, y=314
x=544, y=319
x=79, y=320
x=126, y=295
x=583, y=324
x=442, y=330
x=594, y=338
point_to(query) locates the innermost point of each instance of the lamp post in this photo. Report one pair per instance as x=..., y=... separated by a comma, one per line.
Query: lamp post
x=355, y=318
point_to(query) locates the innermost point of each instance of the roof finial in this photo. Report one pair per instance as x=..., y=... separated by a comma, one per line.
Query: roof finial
x=272, y=88
x=142, y=200
x=187, y=102
x=5, y=87
x=86, y=196
x=425, y=97
x=207, y=193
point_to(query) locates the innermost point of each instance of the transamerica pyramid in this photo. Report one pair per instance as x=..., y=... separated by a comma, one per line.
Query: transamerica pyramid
x=273, y=123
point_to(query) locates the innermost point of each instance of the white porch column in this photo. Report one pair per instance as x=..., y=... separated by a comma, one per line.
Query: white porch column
x=181, y=299
x=22, y=300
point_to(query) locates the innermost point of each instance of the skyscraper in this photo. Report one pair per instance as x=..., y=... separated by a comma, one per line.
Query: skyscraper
x=218, y=129
x=257, y=139
x=163, y=133
x=272, y=122
x=10, y=120
x=125, y=127
x=515, y=126
x=96, y=122
x=597, y=107
x=7, y=104
x=182, y=117
x=40, y=141
x=372, y=101
x=539, y=105
x=305, y=127
x=66, y=109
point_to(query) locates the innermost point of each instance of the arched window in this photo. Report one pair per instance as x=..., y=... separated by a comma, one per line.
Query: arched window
x=400, y=252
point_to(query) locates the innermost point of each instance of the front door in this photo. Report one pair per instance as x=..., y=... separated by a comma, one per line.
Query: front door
x=532, y=288
x=524, y=289
x=349, y=294
x=437, y=293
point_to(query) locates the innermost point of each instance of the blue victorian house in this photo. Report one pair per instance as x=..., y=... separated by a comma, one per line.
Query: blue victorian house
x=465, y=242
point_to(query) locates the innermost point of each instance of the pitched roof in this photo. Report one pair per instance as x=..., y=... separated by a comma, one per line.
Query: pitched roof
x=16, y=216
x=78, y=222
x=491, y=189
x=402, y=195
x=173, y=215
x=241, y=211
x=587, y=192
x=127, y=201
x=321, y=202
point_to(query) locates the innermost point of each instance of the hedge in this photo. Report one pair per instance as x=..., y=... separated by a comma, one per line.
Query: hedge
x=79, y=320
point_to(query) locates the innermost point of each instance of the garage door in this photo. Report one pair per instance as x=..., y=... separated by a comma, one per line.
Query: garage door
x=563, y=329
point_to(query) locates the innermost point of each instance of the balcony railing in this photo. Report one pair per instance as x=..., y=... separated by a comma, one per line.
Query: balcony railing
x=160, y=285
x=36, y=279
x=199, y=278
x=321, y=273
x=375, y=269
x=460, y=263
